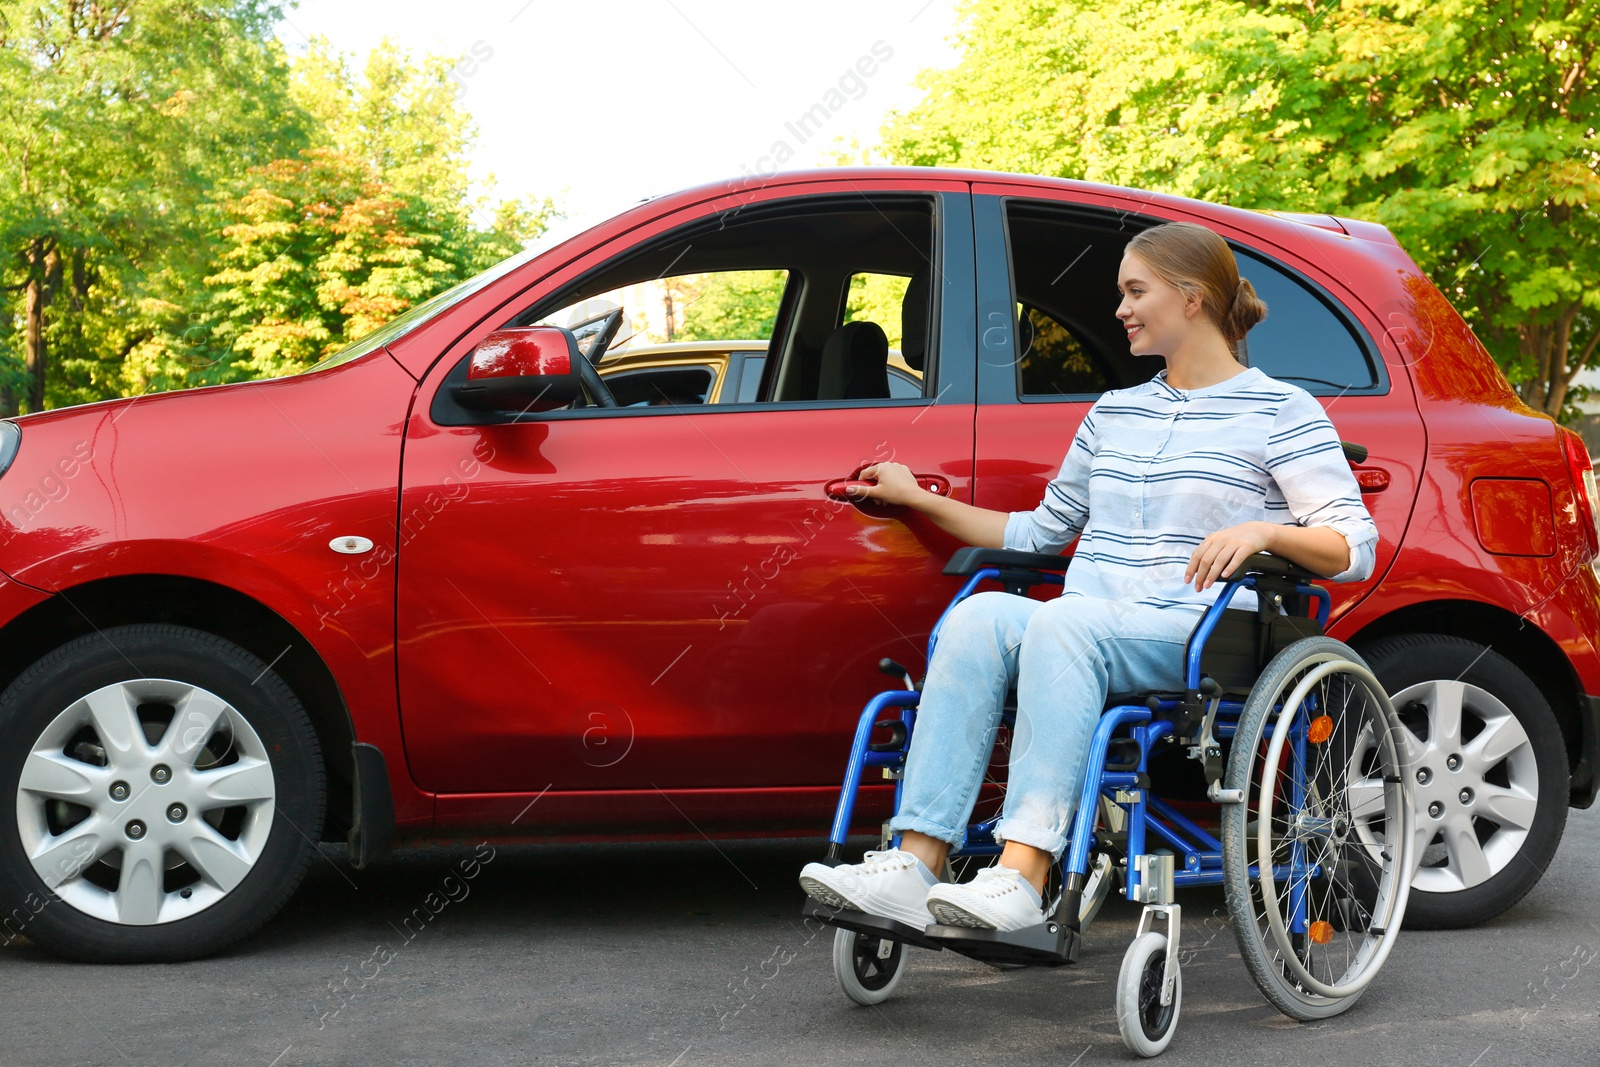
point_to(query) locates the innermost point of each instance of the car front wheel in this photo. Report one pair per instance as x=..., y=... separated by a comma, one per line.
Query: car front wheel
x=1489, y=771
x=164, y=788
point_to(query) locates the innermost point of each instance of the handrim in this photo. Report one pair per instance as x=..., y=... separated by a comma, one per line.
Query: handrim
x=1391, y=902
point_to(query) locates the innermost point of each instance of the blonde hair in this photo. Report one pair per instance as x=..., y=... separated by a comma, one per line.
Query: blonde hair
x=1196, y=260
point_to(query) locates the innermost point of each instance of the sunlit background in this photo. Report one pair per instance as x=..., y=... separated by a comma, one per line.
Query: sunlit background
x=603, y=104
x=196, y=192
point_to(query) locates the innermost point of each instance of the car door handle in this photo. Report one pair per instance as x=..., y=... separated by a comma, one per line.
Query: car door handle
x=1372, y=479
x=842, y=488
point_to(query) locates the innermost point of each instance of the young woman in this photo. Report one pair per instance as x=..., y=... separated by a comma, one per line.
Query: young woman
x=1167, y=486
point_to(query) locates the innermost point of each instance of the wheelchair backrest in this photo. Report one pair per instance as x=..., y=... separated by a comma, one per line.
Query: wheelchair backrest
x=1244, y=642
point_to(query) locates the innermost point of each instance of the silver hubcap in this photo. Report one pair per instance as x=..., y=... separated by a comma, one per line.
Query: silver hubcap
x=145, y=801
x=1475, y=779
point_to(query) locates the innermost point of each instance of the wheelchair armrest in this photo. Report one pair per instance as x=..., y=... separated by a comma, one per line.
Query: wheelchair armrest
x=969, y=561
x=1275, y=567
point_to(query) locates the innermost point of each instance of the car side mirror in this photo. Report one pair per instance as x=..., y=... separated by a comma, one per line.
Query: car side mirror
x=528, y=368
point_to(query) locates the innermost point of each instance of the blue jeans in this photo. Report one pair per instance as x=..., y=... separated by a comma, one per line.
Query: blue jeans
x=1064, y=656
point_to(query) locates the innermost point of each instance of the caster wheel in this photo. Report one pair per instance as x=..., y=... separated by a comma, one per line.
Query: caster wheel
x=1147, y=1025
x=868, y=968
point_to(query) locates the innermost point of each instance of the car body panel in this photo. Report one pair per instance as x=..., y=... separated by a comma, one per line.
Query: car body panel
x=631, y=583
x=634, y=575
x=247, y=494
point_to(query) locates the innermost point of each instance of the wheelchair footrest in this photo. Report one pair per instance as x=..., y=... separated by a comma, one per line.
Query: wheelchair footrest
x=1049, y=944
x=871, y=925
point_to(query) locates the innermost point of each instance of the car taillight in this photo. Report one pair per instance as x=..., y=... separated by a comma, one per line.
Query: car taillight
x=1582, y=469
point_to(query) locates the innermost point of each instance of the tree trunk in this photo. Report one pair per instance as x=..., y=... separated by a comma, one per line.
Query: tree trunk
x=44, y=274
x=1561, y=372
x=33, y=324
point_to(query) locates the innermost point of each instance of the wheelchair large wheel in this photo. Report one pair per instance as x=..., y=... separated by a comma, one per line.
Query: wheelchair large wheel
x=1146, y=1024
x=1317, y=859
x=868, y=968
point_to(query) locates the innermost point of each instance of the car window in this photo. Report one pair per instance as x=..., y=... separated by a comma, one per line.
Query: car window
x=877, y=298
x=904, y=384
x=712, y=307
x=657, y=386
x=1053, y=361
x=1063, y=289
x=1302, y=340
x=1064, y=261
x=837, y=290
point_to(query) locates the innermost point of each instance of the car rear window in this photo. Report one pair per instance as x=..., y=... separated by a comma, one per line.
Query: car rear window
x=1302, y=340
x=1069, y=345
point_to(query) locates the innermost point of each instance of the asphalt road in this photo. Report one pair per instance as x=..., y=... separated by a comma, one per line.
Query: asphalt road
x=692, y=953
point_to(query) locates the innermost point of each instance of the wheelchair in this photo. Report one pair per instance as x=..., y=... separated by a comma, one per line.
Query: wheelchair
x=1305, y=769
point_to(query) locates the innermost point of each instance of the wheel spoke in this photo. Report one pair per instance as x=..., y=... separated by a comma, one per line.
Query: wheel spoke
x=112, y=712
x=61, y=859
x=193, y=724
x=1366, y=798
x=52, y=774
x=218, y=860
x=139, y=891
x=241, y=782
x=1444, y=703
x=1500, y=737
x=1466, y=855
x=1421, y=838
x=1512, y=808
x=1415, y=748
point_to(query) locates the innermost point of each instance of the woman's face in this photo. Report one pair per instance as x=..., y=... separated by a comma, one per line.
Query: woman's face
x=1152, y=312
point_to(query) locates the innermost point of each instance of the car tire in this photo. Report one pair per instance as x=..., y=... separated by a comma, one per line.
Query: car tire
x=1500, y=775
x=117, y=847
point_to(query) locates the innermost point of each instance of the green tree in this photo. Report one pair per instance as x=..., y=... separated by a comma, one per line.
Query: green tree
x=319, y=249
x=317, y=253
x=730, y=305
x=117, y=121
x=1467, y=128
x=403, y=117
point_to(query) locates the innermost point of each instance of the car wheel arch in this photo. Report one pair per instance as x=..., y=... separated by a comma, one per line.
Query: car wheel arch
x=215, y=609
x=1527, y=646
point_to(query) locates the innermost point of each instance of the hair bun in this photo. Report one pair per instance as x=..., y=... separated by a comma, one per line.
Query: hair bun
x=1244, y=311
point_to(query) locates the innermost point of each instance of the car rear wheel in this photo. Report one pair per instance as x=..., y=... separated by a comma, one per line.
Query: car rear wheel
x=1489, y=771
x=164, y=787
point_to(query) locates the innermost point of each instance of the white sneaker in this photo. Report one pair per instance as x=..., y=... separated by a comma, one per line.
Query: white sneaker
x=999, y=898
x=891, y=885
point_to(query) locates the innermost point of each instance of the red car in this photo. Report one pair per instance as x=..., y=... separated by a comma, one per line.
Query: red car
x=440, y=586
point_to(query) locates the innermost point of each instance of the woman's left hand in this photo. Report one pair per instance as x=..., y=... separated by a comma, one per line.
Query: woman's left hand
x=1218, y=555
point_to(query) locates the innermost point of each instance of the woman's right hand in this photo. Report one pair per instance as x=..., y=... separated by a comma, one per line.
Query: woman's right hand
x=895, y=484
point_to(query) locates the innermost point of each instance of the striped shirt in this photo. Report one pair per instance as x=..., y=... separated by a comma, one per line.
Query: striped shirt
x=1154, y=470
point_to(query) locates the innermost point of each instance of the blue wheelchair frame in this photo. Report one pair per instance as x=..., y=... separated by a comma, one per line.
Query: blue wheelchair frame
x=1198, y=854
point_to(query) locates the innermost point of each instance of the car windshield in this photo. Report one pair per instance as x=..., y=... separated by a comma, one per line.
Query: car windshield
x=402, y=324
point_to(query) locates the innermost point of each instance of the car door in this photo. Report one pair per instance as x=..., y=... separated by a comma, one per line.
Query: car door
x=651, y=614
x=1050, y=345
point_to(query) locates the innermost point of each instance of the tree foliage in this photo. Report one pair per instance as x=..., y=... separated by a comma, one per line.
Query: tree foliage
x=729, y=305
x=1467, y=127
x=118, y=120
x=179, y=204
x=376, y=216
